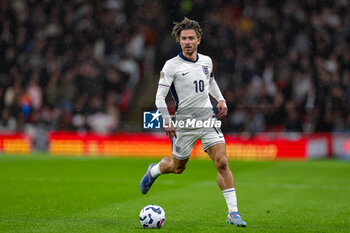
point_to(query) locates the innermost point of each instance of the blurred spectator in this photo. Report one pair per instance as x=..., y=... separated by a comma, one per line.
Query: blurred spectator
x=7, y=122
x=34, y=92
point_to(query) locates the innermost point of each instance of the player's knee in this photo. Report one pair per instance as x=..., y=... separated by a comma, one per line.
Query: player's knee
x=221, y=163
x=179, y=170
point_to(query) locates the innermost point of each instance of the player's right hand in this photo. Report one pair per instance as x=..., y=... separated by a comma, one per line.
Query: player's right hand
x=170, y=130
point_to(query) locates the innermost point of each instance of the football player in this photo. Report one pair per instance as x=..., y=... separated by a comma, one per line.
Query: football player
x=189, y=77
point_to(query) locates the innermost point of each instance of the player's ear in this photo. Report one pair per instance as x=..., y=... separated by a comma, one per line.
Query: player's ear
x=199, y=40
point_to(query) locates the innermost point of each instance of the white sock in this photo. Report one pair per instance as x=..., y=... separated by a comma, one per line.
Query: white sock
x=231, y=200
x=155, y=171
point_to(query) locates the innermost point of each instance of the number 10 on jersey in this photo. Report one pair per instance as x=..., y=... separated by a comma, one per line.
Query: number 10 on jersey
x=199, y=85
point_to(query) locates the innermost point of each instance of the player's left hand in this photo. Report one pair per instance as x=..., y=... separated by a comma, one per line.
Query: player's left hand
x=222, y=109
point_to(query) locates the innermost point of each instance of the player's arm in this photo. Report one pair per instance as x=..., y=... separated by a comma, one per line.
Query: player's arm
x=215, y=92
x=164, y=84
x=162, y=107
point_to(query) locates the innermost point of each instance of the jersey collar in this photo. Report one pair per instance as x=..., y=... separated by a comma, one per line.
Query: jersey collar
x=186, y=59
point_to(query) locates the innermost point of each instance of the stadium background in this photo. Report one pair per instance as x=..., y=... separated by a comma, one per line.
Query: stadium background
x=75, y=75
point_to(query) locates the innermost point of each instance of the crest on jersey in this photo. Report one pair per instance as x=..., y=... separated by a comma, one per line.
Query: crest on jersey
x=162, y=74
x=206, y=70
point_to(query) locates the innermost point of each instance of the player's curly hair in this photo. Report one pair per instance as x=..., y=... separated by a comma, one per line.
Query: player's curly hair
x=186, y=24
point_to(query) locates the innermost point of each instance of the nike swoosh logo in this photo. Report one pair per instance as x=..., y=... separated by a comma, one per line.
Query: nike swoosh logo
x=183, y=74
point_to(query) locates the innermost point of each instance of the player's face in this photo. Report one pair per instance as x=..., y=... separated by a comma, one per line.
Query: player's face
x=189, y=42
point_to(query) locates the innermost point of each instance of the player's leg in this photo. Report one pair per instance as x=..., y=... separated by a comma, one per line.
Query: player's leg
x=217, y=153
x=225, y=181
x=168, y=164
x=182, y=148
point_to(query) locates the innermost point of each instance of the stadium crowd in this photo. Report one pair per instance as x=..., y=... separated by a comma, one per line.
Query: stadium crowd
x=78, y=65
x=71, y=65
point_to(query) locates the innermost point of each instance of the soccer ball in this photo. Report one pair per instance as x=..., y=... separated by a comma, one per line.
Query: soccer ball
x=152, y=216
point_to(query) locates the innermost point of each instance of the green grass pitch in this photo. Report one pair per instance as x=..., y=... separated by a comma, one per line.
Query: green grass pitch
x=42, y=193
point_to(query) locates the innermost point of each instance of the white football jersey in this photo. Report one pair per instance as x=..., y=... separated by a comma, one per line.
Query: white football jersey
x=190, y=83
